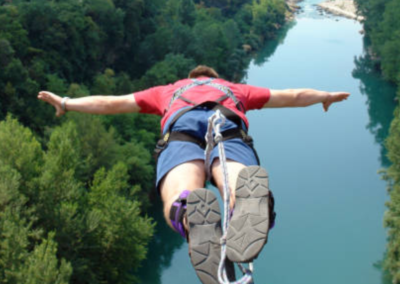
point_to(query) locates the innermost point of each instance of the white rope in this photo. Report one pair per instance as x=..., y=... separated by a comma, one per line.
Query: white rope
x=214, y=123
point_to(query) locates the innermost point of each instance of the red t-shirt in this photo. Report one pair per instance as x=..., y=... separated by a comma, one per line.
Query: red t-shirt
x=156, y=100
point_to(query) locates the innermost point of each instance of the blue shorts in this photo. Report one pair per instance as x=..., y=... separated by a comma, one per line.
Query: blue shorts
x=195, y=123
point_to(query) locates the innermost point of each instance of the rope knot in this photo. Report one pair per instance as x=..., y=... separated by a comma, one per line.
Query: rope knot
x=218, y=138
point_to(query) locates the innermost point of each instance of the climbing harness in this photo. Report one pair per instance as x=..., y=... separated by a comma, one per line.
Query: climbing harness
x=239, y=132
x=214, y=123
x=178, y=94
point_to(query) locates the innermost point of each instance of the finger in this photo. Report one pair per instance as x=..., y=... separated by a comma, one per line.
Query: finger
x=46, y=92
x=326, y=106
x=44, y=96
x=48, y=97
x=338, y=99
x=342, y=95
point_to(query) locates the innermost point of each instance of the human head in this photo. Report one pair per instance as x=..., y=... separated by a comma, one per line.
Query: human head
x=203, y=70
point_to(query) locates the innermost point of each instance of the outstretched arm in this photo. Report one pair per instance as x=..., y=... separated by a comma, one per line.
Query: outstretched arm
x=303, y=98
x=92, y=104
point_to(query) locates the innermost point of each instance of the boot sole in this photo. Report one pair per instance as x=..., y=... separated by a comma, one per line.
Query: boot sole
x=204, y=220
x=249, y=225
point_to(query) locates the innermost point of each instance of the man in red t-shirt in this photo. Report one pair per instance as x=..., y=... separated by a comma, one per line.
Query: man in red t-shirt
x=181, y=175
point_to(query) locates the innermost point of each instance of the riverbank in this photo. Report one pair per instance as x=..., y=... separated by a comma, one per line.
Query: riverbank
x=293, y=8
x=345, y=8
x=292, y=5
x=381, y=36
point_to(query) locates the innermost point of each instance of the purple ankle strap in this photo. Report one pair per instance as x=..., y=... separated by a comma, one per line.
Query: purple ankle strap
x=178, y=211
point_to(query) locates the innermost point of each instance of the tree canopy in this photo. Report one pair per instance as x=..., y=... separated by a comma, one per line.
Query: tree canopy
x=382, y=27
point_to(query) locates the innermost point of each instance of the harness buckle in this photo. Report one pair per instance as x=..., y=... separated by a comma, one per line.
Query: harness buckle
x=166, y=137
x=243, y=133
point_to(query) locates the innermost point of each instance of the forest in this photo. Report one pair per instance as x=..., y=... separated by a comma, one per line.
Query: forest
x=382, y=28
x=75, y=191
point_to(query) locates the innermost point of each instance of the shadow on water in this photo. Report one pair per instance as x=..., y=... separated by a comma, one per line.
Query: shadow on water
x=380, y=100
x=161, y=248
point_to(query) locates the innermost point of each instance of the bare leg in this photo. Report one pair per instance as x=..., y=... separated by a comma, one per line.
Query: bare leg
x=233, y=171
x=188, y=176
x=204, y=234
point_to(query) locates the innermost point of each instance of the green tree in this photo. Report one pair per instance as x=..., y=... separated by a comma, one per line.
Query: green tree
x=42, y=265
x=22, y=259
x=14, y=229
x=117, y=232
x=104, y=83
x=392, y=215
x=390, y=36
x=268, y=16
x=211, y=34
x=97, y=146
x=187, y=12
x=12, y=30
x=184, y=40
x=21, y=151
x=383, y=29
x=56, y=84
x=99, y=234
x=171, y=69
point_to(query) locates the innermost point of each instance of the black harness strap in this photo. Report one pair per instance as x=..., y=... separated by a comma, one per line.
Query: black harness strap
x=232, y=133
x=226, y=135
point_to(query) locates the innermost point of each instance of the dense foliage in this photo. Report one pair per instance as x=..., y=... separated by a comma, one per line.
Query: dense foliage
x=92, y=231
x=73, y=191
x=51, y=44
x=392, y=217
x=382, y=25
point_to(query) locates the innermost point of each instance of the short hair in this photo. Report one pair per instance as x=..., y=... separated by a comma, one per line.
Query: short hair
x=203, y=70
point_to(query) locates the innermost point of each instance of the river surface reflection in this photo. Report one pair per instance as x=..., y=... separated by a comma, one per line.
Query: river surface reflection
x=323, y=166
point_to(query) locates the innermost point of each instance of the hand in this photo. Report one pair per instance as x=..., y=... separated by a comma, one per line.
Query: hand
x=52, y=99
x=334, y=97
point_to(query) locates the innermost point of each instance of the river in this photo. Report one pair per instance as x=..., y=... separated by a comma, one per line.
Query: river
x=323, y=166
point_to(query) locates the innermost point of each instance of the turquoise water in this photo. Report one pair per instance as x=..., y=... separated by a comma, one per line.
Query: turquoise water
x=323, y=166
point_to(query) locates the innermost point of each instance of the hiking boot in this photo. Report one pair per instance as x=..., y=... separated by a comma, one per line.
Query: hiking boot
x=253, y=215
x=204, y=222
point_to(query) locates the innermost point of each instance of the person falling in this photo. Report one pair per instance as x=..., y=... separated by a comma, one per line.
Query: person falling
x=189, y=208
